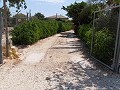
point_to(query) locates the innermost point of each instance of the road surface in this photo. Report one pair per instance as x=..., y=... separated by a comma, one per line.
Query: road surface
x=60, y=62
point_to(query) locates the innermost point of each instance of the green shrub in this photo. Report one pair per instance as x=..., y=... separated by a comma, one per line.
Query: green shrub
x=84, y=32
x=24, y=35
x=83, y=29
x=60, y=27
x=102, y=46
x=88, y=37
x=30, y=32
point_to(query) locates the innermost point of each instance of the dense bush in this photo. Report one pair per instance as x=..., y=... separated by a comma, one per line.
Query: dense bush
x=83, y=29
x=24, y=35
x=84, y=32
x=88, y=37
x=102, y=46
x=30, y=32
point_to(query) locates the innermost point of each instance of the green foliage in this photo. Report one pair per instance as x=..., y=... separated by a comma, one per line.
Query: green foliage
x=24, y=35
x=109, y=21
x=62, y=26
x=17, y=3
x=73, y=12
x=74, y=9
x=39, y=16
x=105, y=26
x=30, y=32
x=88, y=37
x=102, y=46
x=84, y=32
x=81, y=13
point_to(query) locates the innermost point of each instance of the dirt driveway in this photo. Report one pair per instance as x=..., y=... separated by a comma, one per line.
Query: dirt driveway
x=60, y=62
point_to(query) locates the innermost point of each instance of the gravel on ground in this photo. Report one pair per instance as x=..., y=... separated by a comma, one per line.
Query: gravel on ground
x=59, y=62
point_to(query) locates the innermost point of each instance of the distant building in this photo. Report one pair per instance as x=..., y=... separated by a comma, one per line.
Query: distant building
x=54, y=17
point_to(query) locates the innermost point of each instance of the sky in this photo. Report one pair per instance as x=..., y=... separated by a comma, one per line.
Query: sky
x=46, y=7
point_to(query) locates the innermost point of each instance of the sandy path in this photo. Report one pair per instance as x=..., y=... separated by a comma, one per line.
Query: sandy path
x=59, y=62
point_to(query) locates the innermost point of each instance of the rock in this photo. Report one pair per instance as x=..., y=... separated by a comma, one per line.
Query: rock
x=48, y=78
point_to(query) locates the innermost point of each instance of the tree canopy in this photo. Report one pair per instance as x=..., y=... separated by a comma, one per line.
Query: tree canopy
x=17, y=3
x=39, y=15
x=82, y=13
x=73, y=11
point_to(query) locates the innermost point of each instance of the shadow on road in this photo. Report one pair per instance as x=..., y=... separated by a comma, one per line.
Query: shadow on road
x=76, y=76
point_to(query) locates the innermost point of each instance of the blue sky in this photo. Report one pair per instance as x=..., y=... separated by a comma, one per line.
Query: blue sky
x=46, y=7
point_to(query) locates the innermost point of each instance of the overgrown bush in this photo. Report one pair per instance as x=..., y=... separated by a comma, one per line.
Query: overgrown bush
x=102, y=45
x=24, y=35
x=84, y=32
x=30, y=32
x=88, y=37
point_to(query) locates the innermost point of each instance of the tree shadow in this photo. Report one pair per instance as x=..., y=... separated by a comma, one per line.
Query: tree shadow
x=86, y=74
x=75, y=77
x=21, y=46
x=67, y=35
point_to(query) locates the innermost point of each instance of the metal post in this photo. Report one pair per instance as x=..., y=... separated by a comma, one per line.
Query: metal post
x=6, y=27
x=117, y=47
x=92, y=35
x=1, y=28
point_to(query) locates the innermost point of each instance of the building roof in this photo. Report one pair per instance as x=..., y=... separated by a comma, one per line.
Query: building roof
x=57, y=16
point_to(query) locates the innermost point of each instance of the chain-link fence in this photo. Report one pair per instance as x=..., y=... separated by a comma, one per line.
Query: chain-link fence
x=105, y=36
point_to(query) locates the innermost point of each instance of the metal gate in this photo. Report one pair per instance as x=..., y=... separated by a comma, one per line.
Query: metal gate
x=105, y=44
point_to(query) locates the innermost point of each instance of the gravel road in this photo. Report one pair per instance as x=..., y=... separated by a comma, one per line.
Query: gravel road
x=60, y=62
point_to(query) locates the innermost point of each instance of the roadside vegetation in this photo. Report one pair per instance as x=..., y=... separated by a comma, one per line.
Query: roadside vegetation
x=105, y=26
x=30, y=32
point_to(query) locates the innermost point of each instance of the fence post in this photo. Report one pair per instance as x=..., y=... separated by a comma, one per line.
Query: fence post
x=92, y=35
x=1, y=27
x=116, y=62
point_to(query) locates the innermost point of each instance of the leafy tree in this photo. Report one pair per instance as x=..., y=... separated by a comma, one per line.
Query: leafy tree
x=17, y=3
x=73, y=11
x=8, y=12
x=39, y=16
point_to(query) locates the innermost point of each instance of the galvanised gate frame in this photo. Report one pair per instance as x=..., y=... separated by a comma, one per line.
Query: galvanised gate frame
x=116, y=57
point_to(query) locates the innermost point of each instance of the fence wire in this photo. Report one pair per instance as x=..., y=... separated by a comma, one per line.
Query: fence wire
x=104, y=37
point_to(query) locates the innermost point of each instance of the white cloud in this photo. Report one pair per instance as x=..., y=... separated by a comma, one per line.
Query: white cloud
x=51, y=1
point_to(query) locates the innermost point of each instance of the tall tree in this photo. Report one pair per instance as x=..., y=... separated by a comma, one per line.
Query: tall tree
x=73, y=11
x=13, y=3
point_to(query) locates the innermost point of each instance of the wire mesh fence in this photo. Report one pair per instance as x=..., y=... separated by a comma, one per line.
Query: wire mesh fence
x=104, y=36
